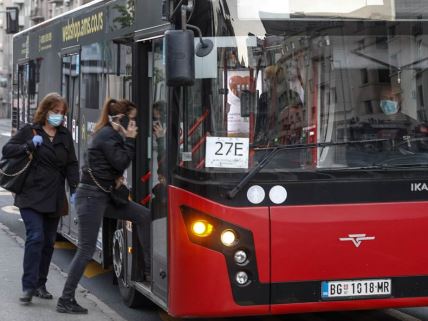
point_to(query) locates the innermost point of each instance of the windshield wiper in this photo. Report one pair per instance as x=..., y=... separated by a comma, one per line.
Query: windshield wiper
x=275, y=149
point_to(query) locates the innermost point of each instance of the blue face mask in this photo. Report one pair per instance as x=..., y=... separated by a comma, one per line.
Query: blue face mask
x=55, y=119
x=389, y=107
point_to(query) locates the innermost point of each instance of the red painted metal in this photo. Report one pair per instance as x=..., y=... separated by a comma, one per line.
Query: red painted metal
x=198, y=122
x=146, y=199
x=199, y=144
x=306, y=245
x=348, y=305
x=146, y=177
x=201, y=164
x=198, y=279
x=296, y=243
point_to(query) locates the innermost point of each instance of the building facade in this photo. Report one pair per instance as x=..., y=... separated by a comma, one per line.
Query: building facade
x=31, y=12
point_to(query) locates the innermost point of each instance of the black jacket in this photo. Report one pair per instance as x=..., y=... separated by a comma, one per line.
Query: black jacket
x=44, y=188
x=108, y=155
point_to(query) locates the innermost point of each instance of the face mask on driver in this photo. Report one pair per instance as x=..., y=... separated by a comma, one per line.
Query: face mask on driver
x=55, y=119
x=389, y=107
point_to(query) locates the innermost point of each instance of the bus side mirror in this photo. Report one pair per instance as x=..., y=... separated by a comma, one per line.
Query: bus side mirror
x=180, y=58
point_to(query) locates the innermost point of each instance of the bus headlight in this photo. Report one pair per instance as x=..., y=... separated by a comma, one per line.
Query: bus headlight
x=241, y=277
x=202, y=228
x=228, y=238
x=240, y=257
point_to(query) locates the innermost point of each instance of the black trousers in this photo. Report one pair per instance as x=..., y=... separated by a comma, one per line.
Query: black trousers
x=92, y=205
x=39, y=246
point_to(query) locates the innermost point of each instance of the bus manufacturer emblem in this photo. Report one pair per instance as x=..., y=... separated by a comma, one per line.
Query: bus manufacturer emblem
x=418, y=187
x=357, y=238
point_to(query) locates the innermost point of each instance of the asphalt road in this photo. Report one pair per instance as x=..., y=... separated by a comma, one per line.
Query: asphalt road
x=99, y=282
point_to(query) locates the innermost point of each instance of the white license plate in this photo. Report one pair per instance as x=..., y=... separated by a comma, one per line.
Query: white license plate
x=355, y=288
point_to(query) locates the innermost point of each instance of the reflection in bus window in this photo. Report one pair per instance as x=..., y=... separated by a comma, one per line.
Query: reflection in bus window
x=25, y=96
x=336, y=83
x=158, y=133
x=92, y=72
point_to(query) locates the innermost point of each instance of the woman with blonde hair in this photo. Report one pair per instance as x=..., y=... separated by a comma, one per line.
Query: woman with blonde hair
x=110, y=152
x=42, y=200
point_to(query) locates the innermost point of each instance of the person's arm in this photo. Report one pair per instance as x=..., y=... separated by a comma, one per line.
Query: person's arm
x=119, y=153
x=20, y=144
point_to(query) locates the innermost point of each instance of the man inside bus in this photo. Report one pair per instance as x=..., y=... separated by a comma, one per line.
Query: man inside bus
x=388, y=117
x=395, y=115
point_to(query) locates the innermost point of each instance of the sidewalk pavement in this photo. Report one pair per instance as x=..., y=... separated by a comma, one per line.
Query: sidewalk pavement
x=11, y=253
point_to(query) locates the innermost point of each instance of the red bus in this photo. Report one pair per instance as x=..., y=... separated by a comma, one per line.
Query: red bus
x=285, y=167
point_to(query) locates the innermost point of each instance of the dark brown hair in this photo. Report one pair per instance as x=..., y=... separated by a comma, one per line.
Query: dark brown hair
x=48, y=103
x=113, y=107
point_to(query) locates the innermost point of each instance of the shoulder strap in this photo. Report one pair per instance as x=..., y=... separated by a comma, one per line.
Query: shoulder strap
x=93, y=177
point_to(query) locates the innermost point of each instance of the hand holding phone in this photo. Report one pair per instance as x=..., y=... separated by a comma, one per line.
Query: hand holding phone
x=131, y=130
x=158, y=130
x=124, y=121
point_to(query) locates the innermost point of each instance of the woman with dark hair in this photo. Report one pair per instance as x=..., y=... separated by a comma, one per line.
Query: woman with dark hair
x=109, y=154
x=43, y=201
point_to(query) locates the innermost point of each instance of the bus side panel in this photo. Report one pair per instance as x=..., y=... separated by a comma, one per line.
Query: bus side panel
x=312, y=244
x=348, y=305
x=199, y=282
x=350, y=241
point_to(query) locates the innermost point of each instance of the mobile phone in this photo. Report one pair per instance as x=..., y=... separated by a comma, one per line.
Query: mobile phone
x=124, y=121
x=157, y=122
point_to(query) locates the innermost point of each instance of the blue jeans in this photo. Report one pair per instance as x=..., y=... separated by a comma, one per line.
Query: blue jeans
x=39, y=245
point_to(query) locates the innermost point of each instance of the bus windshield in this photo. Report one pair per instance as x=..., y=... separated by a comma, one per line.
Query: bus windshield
x=351, y=91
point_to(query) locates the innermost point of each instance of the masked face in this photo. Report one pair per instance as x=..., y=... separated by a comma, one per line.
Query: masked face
x=389, y=107
x=55, y=119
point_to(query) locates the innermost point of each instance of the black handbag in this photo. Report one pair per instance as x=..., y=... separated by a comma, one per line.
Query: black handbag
x=14, y=172
x=119, y=196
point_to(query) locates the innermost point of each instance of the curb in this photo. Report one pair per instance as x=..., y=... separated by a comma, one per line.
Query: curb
x=105, y=309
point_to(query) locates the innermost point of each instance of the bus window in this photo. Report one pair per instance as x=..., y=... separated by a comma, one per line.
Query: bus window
x=118, y=81
x=25, y=93
x=71, y=91
x=119, y=76
x=23, y=78
x=158, y=168
x=92, y=76
x=277, y=90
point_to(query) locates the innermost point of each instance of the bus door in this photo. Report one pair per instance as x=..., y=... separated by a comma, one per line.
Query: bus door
x=70, y=90
x=119, y=83
x=157, y=159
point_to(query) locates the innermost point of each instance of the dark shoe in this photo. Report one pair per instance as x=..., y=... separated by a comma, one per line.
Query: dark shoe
x=43, y=293
x=70, y=306
x=26, y=297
